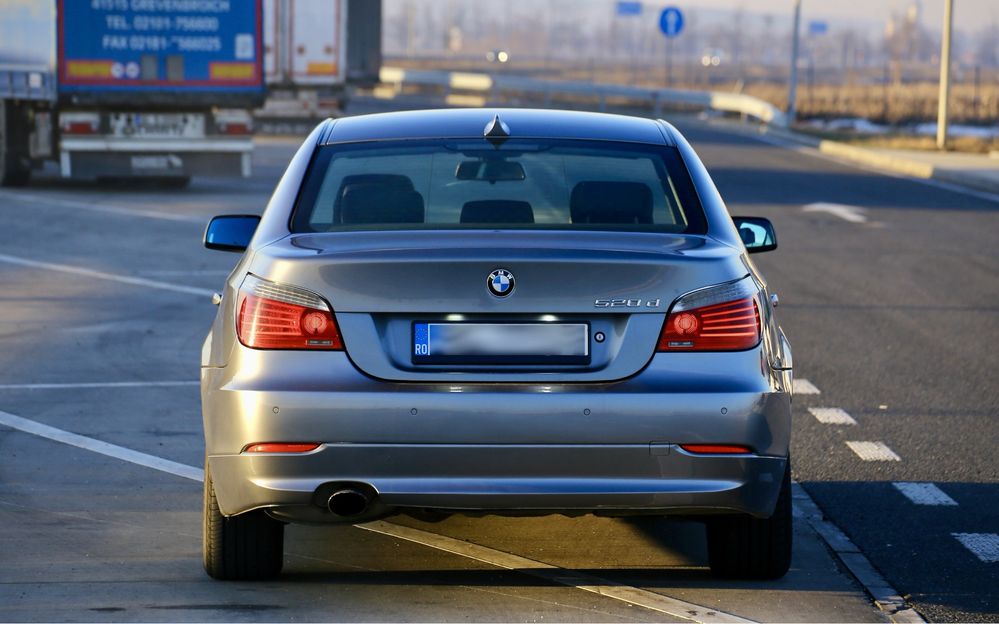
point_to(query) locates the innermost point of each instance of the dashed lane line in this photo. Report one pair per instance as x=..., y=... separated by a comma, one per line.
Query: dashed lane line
x=985, y=546
x=803, y=386
x=924, y=494
x=123, y=279
x=624, y=593
x=873, y=451
x=104, y=384
x=831, y=416
x=853, y=214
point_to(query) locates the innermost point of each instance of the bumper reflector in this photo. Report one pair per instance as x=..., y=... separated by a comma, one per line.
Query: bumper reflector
x=716, y=449
x=281, y=447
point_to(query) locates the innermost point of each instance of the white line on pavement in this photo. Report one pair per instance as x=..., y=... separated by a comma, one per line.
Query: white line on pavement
x=924, y=494
x=831, y=416
x=873, y=451
x=585, y=582
x=803, y=386
x=124, y=279
x=99, y=384
x=98, y=446
x=853, y=214
x=985, y=546
x=42, y=200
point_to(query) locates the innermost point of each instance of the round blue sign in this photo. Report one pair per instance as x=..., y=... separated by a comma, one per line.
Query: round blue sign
x=671, y=21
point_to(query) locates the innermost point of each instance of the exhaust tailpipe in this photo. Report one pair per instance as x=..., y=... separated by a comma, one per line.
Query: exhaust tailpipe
x=347, y=503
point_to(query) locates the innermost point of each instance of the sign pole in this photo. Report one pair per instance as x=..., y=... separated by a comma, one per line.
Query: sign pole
x=669, y=62
x=944, y=75
x=792, y=87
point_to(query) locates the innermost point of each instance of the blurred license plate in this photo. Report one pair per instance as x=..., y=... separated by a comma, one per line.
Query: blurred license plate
x=159, y=124
x=501, y=343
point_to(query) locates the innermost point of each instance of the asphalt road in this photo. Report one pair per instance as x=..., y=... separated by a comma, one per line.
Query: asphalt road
x=889, y=302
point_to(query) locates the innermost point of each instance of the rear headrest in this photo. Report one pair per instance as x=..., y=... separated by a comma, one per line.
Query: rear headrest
x=611, y=202
x=392, y=180
x=377, y=203
x=497, y=211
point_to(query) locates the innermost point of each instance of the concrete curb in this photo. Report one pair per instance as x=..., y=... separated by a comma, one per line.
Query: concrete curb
x=876, y=160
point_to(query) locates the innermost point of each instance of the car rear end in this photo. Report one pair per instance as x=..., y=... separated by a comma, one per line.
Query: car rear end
x=523, y=325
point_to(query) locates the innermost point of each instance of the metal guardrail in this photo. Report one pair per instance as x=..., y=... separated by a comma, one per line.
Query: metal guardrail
x=496, y=85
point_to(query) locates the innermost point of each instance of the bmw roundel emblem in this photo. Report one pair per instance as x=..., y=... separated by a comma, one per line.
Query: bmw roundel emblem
x=500, y=282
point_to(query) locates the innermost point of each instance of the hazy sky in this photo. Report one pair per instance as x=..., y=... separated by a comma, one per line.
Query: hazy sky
x=969, y=15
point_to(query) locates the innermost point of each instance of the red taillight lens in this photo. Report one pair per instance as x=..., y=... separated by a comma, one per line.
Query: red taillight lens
x=78, y=127
x=716, y=449
x=281, y=321
x=281, y=447
x=234, y=128
x=728, y=326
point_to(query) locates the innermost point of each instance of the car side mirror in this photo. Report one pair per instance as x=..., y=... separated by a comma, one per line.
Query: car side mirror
x=231, y=232
x=757, y=233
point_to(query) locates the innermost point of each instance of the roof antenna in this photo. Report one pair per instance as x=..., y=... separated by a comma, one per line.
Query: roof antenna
x=496, y=132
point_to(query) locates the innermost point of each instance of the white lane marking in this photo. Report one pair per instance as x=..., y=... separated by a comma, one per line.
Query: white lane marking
x=585, y=582
x=873, y=451
x=42, y=200
x=124, y=279
x=803, y=386
x=98, y=446
x=985, y=546
x=831, y=416
x=853, y=214
x=924, y=493
x=97, y=384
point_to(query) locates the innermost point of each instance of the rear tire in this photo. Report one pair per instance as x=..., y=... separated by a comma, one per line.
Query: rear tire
x=246, y=547
x=15, y=166
x=752, y=548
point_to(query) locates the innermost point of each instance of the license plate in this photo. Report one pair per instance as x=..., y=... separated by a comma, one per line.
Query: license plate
x=501, y=343
x=159, y=124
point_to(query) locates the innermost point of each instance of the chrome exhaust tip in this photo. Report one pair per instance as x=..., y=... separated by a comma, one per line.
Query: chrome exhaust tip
x=347, y=503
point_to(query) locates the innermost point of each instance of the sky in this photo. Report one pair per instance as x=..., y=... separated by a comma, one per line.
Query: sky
x=969, y=15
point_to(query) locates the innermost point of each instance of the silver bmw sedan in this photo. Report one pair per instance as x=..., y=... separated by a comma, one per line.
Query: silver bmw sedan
x=495, y=312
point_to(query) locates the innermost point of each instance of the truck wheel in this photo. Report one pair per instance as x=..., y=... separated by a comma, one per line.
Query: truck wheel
x=751, y=548
x=15, y=168
x=246, y=547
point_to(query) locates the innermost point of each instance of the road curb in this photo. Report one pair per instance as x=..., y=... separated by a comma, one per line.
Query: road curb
x=875, y=160
x=885, y=596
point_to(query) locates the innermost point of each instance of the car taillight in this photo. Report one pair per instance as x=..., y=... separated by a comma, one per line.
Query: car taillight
x=277, y=316
x=79, y=123
x=721, y=318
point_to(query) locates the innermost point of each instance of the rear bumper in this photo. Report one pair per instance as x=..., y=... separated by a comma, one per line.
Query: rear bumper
x=113, y=156
x=611, y=479
x=503, y=448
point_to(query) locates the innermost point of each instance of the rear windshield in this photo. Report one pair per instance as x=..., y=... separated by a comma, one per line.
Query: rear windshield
x=519, y=184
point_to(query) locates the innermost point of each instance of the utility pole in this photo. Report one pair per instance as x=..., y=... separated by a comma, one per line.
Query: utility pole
x=944, y=75
x=792, y=88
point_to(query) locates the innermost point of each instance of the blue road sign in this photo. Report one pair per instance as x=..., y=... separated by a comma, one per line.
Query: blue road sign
x=629, y=8
x=818, y=28
x=671, y=22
